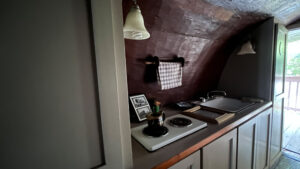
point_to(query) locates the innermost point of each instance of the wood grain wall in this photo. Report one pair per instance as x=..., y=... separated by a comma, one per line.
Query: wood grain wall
x=202, y=33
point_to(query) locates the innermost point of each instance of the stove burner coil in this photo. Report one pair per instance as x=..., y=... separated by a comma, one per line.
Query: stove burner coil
x=180, y=122
x=155, y=131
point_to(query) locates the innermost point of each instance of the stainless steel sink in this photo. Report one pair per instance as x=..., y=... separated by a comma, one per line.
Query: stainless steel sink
x=226, y=105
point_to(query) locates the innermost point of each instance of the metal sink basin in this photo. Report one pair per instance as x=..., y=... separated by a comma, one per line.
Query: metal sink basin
x=226, y=105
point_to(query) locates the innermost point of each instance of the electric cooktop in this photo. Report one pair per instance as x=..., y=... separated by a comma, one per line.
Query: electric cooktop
x=177, y=126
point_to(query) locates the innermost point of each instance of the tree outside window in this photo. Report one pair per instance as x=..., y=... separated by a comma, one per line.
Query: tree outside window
x=293, y=58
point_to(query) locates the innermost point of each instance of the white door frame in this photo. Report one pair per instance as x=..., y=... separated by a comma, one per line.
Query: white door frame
x=112, y=79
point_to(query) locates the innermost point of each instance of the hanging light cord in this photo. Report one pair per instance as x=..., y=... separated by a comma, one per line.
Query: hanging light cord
x=135, y=4
x=134, y=1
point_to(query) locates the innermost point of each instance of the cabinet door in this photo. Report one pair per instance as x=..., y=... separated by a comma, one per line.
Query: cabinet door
x=191, y=162
x=247, y=134
x=276, y=135
x=279, y=72
x=263, y=139
x=221, y=154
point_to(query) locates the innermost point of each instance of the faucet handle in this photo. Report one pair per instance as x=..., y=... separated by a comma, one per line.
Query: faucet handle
x=214, y=93
x=202, y=99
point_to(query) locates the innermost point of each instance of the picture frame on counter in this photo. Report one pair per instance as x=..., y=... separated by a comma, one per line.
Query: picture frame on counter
x=140, y=105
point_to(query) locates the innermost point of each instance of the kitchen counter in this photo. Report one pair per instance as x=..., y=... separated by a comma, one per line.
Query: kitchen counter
x=178, y=150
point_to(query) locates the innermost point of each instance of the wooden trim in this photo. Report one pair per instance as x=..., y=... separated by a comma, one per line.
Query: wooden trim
x=294, y=26
x=291, y=108
x=112, y=79
x=292, y=78
x=231, y=153
x=268, y=139
x=210, y=139
x=254, y=128
x=282, y=120
x=275, y=160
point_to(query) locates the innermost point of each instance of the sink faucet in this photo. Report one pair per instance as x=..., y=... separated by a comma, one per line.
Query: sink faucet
x=215, y=93
x=212, y=94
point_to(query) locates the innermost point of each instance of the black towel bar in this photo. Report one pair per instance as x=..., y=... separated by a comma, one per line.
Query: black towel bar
x=154, y=60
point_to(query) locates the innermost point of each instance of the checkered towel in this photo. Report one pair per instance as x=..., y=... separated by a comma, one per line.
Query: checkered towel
x=169, y=75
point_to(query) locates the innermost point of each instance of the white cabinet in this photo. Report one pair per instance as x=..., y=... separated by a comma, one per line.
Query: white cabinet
x=276, y=139
x=263, y=139
x=245, y=147
x=254, y=141
x=247, y=134
x=191, y=162
x=221, y=153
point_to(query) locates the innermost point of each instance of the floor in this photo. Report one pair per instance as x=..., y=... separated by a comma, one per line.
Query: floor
x=287, y=163
x=291, y=133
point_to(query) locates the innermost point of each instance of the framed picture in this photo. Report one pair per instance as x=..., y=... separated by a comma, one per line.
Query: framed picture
x=140, y=105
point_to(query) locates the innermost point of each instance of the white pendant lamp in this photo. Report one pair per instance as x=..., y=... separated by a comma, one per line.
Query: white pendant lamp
x=134, y=27
x=247, y=48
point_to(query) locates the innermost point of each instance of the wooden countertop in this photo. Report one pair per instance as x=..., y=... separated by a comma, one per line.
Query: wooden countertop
x=178, y=150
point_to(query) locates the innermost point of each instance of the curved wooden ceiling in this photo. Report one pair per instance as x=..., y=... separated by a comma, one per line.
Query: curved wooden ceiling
x=203, y=32
x=286, y=11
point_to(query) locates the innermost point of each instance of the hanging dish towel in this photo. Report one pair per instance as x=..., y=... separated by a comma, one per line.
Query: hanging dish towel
x=169, y=75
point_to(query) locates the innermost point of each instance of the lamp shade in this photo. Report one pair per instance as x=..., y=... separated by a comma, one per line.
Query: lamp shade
x=134, y=27
x=246, y=49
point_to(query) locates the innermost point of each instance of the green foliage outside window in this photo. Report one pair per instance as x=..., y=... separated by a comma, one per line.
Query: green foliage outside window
x=293, y=66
